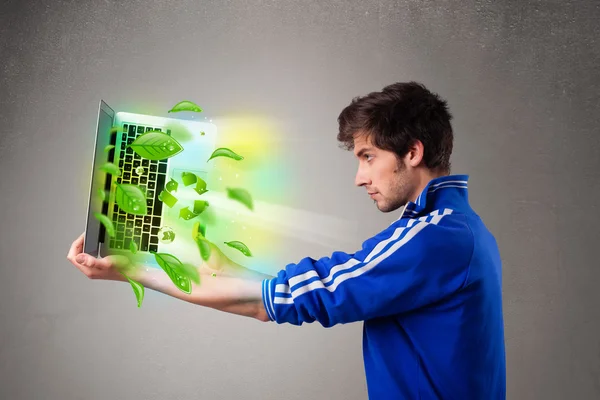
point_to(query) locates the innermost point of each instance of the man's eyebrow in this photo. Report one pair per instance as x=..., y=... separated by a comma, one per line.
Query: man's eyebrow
x=363, y=150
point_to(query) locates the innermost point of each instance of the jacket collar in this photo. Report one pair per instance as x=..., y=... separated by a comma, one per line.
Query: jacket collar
x=448, y=191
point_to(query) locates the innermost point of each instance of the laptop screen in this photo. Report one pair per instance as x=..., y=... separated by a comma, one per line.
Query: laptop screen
x=94, y=231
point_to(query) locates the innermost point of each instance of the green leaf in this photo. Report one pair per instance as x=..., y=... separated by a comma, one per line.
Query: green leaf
x=202, y=133
x=198, y=230
x=199, y=206
x=138, y=289
x=188, y=178
x=131, y=199
x=225, y=152
x=156, y=145
x=167, y=198
x=239, y=246
x=108, y=148
x=200, y=186
x=102, y=194
x=172, y=185
x=108, y=225
x=172, y=266
x=114, y=130
x=133, y=247
x=111, y=168
x=185, y=106
x=204, y=247
x=241, y=195
x=191, y=272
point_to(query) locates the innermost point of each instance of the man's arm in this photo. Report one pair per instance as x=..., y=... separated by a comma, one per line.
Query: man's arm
x=235, y=289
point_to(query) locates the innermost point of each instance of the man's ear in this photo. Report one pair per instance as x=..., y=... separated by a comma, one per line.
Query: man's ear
x=415, y=153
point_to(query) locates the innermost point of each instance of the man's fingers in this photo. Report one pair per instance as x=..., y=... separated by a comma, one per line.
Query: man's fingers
x=93, y=262
x=76, y=247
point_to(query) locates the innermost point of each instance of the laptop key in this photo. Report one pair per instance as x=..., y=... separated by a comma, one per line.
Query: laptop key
x=122, y=219
x=151, y=185
x=146, y=228
x=132, y=129
x=160, y=182
x=127, y=167
x=136, y=163
x=134, y=181
x=153, y=248
x=153, y=167
x=147, y=219
x=145, y=238
x=129, y=224
x=126, y=176
x=128, y=233
x=138, y=222
x=126, y=243
x=143, y=180
x=162, y=167
x=121, y=163
x=140, y=129
x=128, y=159
x=152, y=177
x=153, y=239
x=137, y=231
x=149, y=202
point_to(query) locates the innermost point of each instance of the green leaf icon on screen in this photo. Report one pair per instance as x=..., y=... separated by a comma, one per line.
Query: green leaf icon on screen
x=133, y=247
x=172, y=266
x=200, y=206
x=156, y=145
x=138, y=289
x=239, y=246
x=225, y=152
x=172, y=185
x=131, y=199
x=167, y=198
x=185, y=106
x=111, y=168
x=241, y=195
x=108, y=225
x=186, y=214
x=200, y=186
x=188, y=178
x=108, y=148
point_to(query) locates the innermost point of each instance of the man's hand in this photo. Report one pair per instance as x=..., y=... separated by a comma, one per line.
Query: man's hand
x=108, y=268
x=234, y=288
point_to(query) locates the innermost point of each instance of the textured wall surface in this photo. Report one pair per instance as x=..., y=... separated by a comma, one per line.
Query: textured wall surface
x=521, y=79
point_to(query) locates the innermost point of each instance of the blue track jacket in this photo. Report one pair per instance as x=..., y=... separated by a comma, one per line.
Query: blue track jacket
x=428, y=289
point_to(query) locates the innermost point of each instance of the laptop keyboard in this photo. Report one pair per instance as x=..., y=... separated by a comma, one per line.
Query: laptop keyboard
x=150, y=176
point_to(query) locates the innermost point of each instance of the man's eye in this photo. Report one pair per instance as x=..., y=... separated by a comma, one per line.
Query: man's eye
x=367, y=156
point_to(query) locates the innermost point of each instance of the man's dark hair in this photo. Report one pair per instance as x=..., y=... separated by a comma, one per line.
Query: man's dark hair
x=397, y=116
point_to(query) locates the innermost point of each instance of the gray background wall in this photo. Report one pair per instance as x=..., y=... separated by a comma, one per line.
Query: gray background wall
x=521, y=79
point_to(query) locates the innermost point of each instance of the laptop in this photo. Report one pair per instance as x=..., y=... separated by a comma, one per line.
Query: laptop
x=152, y=232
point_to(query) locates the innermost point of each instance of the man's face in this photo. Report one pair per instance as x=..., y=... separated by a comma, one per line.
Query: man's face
x=381, y=173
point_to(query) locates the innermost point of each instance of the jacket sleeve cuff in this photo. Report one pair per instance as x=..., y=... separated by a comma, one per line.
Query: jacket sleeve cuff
x=267, y=298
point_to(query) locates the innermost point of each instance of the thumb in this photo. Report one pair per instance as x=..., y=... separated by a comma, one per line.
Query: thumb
x=83, y=259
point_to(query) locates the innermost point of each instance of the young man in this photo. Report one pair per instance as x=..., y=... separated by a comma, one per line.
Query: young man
x=428, y=287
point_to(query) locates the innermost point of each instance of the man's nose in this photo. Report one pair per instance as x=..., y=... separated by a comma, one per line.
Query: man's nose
x=360, y=179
